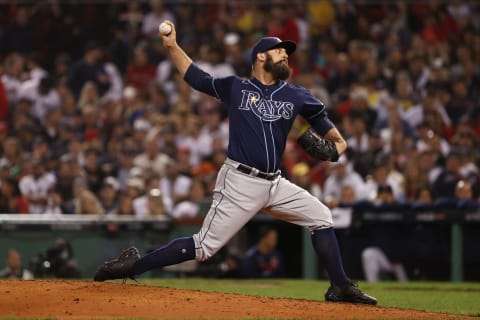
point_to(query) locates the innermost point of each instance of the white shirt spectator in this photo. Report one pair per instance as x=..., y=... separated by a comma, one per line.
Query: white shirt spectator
x=115, y=90
x=222, y=70
x=415, y=115
x=38, y=188
x=334, y=183
x=358, y=145
x=164, y=71
x=147, y=164
x=394, y=179
x=37, y=73
x=185, y=209
x=140, y=207
x=199, y=147
x=178, y=187
x=40, y=103
x=459, y=10
x=12, y=86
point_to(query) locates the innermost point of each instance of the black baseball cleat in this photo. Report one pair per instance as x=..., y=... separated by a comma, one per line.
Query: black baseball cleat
x=118, y=268
x=349, y=293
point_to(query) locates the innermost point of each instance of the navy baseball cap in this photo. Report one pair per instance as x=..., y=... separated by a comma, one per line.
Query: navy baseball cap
x=268, y=43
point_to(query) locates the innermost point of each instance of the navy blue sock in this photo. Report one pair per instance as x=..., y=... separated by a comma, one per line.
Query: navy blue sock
x=176, y=251
x=325, y=243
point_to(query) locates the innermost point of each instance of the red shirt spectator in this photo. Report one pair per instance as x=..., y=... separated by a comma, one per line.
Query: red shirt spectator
x=140, y=72
x=3, y=103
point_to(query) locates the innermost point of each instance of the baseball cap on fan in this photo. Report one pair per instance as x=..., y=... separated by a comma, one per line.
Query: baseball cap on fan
x=268, y=43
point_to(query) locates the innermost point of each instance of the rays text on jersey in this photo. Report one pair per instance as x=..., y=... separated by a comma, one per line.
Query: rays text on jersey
x=265, y=109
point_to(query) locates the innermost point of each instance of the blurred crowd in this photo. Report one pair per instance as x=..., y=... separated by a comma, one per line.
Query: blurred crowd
x=94, y=118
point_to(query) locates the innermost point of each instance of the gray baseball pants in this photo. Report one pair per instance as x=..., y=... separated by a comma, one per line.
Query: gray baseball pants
x=239, y=196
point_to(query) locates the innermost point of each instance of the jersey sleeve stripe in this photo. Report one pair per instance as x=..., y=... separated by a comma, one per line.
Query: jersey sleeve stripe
x=317, y=114
x=215, y=89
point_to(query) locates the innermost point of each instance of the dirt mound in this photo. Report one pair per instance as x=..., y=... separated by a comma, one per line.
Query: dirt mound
x=82, y=299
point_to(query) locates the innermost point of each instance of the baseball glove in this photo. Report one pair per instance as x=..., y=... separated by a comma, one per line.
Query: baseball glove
x=318, y=147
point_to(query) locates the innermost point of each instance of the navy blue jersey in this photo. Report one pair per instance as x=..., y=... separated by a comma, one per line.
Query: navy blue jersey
x=260, y=116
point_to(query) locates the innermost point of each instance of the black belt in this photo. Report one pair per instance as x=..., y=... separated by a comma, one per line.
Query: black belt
x=251, y=171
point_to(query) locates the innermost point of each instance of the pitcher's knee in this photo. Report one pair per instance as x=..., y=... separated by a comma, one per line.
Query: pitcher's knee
x=322, y=222
x=203, y=251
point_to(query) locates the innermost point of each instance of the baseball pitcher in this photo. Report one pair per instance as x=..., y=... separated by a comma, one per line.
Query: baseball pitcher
x=261, y=112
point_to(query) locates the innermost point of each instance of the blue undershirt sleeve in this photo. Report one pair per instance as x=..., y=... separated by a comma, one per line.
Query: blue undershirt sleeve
x=315, y=113
x=202, y=81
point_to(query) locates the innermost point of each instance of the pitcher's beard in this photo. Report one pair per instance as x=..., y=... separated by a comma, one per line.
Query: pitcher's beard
x=279, y=70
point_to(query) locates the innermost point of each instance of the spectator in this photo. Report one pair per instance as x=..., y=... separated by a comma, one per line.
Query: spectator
x=464, y=191
x=14, y=269
x=85, y=201
x=89, y=96
x=212, y=60
x=384, y=195
x=61, y=68
x=152, y=160
x=191, y=206
x=12, y=76
x=384, y=175
x=444, y=185
x=463, y=198
x=343, y=77
x=140, y=73
x=89, y=68
x=19, y=36
x=263, y=260
x=35, y=186
x=174, y=186
x=4, y=108
x=125, y=165
x=234, y=54
x=108, y=195
x=11, y=201
x=404, y=91
x=92, y=170
x=460, y=104
x=360, y=108
x=54, y=202
x=65, y=177
x=169, y=139
x=342, y=175
x=358, y=140
x=125, y=206
x=199, y=146
x=423, y=196
x=12, y=154
x=148, y=200
x=114, y=92
x=414, y=179
x=141, y=128
x=213, y=127
x=34, y=70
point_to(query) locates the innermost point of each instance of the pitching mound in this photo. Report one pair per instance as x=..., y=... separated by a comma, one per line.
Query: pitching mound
x=82, y=299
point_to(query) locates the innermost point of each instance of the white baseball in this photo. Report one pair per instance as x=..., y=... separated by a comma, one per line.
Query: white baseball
x=165, y=28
